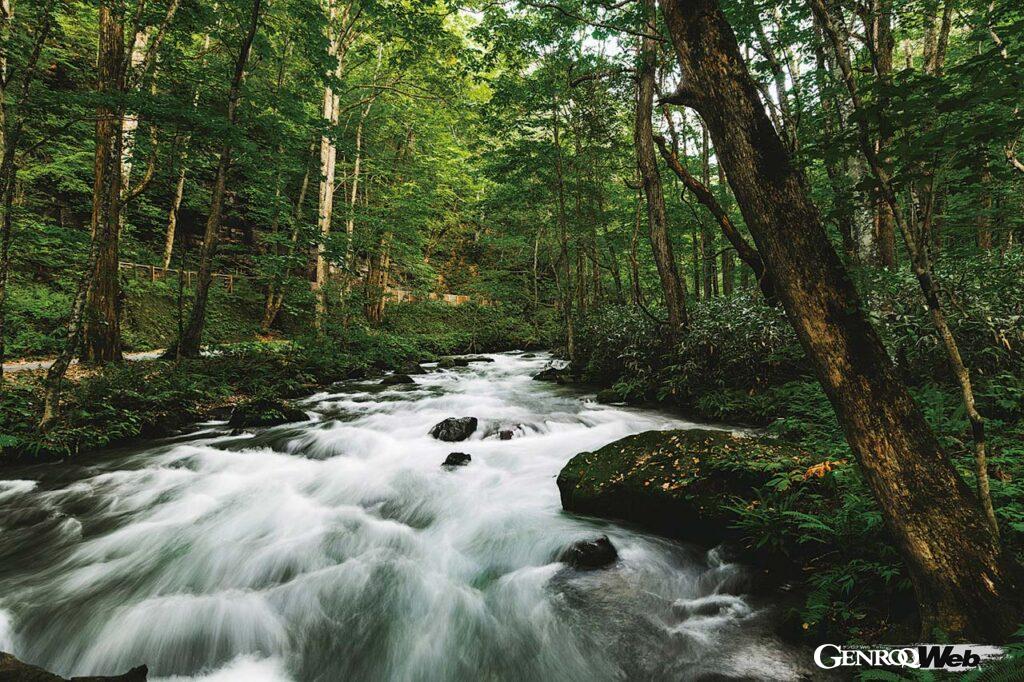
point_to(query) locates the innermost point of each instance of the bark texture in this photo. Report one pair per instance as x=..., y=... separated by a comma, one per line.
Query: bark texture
x=102, y=332
x=673, y=286
x=964, y=585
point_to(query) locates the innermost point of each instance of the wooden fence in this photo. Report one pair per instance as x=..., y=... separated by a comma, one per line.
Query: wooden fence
x=391, y=294
x=155, y=272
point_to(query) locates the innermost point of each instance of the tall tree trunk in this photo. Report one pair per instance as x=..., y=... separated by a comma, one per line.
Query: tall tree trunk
x=634, y=261
x=564, y=281
x=179, y=187
x=189, y=343
x=328, y=160
x=707, y=237
x=130, y=119
x=983, y=219
x=964, y=584
x=275, y=293
x=879, y=23
x=673, y=286
x=101, y=340
x=172, y=214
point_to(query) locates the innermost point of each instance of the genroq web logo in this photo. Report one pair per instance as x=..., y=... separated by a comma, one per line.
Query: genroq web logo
x=948, y=657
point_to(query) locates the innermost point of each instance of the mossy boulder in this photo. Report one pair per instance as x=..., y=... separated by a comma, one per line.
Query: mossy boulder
x=677, y=483
x=265, y=412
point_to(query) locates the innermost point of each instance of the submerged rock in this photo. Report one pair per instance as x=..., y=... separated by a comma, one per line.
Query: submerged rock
x=454, y=429
x=477, y=358
x=678, y=483
x=456, y=459
x=265, y=412
x=506, y=434
x=395, y=379
x=586, y=555
x=14, y=670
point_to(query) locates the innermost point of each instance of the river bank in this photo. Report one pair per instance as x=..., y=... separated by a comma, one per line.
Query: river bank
x=151, y=397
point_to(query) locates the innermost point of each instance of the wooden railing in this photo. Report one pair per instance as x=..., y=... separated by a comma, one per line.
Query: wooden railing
x=391, y=294
x=155, y=272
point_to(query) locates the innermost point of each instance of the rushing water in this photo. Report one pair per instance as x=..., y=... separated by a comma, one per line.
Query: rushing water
x=340, y=549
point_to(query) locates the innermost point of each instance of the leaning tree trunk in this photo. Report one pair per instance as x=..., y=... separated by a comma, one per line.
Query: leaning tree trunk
x=673, y=286
x=965, y=586
x=190, y=341
x=101, y=341
x=747, y=253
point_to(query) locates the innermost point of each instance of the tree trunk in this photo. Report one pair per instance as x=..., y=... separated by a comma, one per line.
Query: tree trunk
x=983, y=220
x=564, y=281
x=328, y=161
x=101, y=340
x=879, y=24
x=190, y=342
x=673, y=286
x=275, y=294
x=964, y=584
x=172, y=214
x=747, y=253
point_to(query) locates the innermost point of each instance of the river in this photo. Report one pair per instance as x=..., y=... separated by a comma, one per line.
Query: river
x=340, y=549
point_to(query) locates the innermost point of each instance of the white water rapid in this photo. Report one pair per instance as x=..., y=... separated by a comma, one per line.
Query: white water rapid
x=340, y=549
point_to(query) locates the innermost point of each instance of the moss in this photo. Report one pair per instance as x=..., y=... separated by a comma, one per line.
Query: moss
x=679, y=483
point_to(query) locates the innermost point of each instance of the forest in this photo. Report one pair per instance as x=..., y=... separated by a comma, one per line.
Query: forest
x=796, y=221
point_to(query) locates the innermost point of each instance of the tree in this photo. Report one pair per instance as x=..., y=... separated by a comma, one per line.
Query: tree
x=188, y=345
x=965, y=586
x=673, y=286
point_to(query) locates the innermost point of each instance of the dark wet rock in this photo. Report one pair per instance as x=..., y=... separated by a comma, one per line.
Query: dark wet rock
x=528, y=356
x=608, y=395
x=454, y=429
x=396, y=379
x=586, y=555
x=13, y=670
x=477, y=358
x=506, y=434
x=412, y=367
x=450, y=363
x=265, y=412
x=554, y=374
x=678, y=483
x=362, y=373
x=456, y=459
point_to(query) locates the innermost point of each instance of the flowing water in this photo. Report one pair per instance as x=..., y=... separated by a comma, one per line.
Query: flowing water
x=340, y=549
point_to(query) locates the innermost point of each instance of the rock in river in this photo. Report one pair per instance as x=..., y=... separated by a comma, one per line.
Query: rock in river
x=560, y=376
x=454, y=429
x=14, y=670
x=679, y=483
x=265, y=412
x=456, y=459
x=395, y=379
x=586, y=555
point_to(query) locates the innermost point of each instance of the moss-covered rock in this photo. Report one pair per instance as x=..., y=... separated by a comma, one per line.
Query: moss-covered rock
x=678, y=483
x=265, y=412
x=14, y=670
